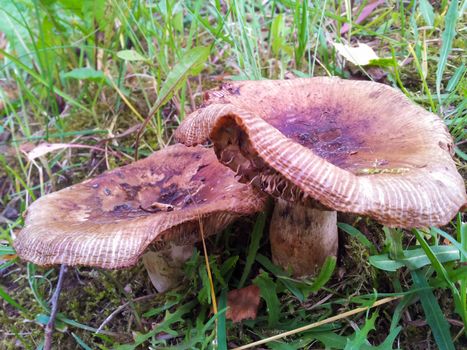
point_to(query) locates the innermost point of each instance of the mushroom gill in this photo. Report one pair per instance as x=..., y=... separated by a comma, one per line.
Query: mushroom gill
x=110, y=220
x=332, y=144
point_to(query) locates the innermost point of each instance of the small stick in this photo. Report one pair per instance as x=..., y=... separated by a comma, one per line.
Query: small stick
x=53, y=313
x=120, y=309
x=316, y=324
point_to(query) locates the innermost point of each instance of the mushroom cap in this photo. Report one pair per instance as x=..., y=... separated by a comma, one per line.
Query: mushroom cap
x=110, y=220
x=353, y=146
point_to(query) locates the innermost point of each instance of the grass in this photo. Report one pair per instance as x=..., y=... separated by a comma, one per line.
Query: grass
x=90, y=72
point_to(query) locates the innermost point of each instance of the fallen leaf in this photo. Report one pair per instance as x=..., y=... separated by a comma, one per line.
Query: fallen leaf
x=45, y=147
x=242, y=303
x=361, y=55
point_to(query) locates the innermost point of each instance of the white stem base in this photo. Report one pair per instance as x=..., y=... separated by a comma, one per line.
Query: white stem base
x=165, y=267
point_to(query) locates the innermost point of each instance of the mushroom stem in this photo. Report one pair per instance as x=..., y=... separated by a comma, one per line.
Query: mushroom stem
x=301, y=238
x=165, y=267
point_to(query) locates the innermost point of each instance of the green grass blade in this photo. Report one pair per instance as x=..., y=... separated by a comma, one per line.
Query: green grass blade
x=427, y=12
x=7, y=250
x=447, y=38
x=267, y=289
x=462, y=236
x=5, y=296
x=221, y=323
x=456, y=77
x=282, y=276
x=442, y=273
x=358, y=235
x=80, y=342
x=253, y=247
x=189, y=63
x=43, y=82
x=324, y=274
x=462, y=250
x=433, y=259
x=433, y=313
x=414, y=258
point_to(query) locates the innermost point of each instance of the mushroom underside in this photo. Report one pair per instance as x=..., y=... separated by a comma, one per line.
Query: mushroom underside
x=109, y=221
x=330, y=144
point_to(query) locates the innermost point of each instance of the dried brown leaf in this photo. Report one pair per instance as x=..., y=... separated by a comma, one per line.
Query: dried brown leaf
x=243, y=303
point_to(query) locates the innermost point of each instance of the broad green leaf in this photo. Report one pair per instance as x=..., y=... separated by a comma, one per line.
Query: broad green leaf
x=85, y=73
x=433, y=258
x=267, y=289
x=427, y=12
x=163, y=326
x=357, y=234
x=130, y=55
x=394, y=242
x=360, y=338
x=414, y=259
x=190, y=62
x=447, y=37
x=442, y=273
x=384, y=262
x=448, y=237
x=292, y=286
x=433, y=313
x=334, y=341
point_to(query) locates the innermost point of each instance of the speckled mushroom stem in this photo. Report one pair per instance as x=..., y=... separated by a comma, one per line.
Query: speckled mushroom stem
x=301, y=237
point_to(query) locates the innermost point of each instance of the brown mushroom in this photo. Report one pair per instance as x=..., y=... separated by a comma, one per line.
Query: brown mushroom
x=109, y=221
x=325, y=145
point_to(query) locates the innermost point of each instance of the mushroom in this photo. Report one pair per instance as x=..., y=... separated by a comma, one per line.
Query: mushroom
x=110, y=220
x=322, y=145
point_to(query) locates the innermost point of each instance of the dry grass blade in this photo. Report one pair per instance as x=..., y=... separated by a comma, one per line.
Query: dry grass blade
x=317, y=324
x=208, y=268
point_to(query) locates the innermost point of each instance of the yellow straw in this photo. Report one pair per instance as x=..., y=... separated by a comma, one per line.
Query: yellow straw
x=316, y=324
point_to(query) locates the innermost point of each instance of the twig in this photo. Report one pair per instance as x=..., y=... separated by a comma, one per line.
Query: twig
x=53, y=313
x=316, y=324
x=120, y=309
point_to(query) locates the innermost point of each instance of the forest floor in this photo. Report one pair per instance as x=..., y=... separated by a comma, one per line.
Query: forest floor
x=90, y=72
